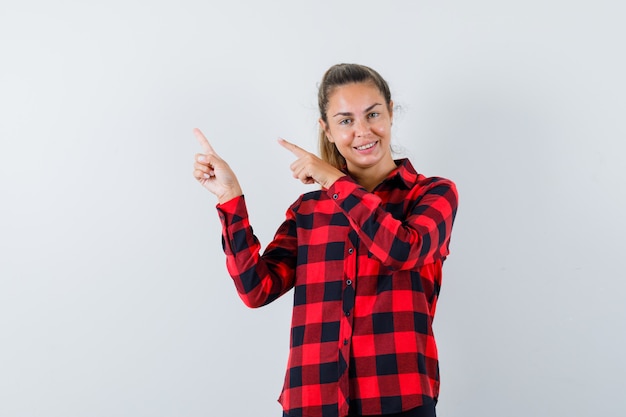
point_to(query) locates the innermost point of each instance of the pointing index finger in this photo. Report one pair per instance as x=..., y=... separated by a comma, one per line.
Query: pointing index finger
x=202, y=140
x=293, y=148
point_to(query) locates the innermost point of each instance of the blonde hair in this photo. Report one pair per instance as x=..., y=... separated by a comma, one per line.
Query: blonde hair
x=336, y=76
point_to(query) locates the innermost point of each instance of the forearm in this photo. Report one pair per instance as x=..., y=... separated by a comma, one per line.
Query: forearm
x=259, y=279
x=421, y=237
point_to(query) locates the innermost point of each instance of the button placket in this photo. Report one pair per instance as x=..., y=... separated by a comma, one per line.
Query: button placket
x=347, y=320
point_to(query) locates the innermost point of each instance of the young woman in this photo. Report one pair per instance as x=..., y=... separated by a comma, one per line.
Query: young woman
x=363, y=254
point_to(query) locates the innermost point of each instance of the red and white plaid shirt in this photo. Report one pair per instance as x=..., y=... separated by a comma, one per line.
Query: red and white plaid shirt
x=366, y=272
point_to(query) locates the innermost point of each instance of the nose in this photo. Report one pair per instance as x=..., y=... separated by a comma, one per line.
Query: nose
x=360, y=127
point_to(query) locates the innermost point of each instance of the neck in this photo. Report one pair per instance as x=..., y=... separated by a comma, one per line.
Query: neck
x=370, y=177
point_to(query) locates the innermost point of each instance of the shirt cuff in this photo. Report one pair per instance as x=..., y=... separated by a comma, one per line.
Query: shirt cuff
x=342, y=188
x=348, y=194
x=233, y=210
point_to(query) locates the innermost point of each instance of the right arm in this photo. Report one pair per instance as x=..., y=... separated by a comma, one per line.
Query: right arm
x=259, y=279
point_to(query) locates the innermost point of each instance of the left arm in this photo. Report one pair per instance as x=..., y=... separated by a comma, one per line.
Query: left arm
x=422, y=237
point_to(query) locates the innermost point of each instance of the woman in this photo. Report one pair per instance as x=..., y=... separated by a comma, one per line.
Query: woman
x=363, y=254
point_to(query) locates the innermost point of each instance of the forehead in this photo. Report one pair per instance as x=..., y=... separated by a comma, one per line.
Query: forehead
x=355, y=95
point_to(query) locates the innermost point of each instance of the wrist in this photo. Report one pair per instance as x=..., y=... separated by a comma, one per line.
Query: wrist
x=228, y=196
x=329, y=182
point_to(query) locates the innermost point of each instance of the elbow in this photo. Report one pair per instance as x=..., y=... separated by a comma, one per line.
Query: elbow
x=254, y=301
x=249, y=288
x=400, y=251
x=256, y=292
x=409, y=254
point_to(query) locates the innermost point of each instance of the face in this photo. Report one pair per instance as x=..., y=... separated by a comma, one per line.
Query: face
x=359, y=124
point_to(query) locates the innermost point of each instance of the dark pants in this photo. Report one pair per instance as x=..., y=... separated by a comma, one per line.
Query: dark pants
x=427, y=410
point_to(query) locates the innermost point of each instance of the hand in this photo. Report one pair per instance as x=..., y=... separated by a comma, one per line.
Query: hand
x=310, y=169
x=214, y=173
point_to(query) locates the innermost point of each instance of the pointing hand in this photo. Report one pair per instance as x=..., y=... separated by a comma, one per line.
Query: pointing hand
x=309, y=168
x=213, y=172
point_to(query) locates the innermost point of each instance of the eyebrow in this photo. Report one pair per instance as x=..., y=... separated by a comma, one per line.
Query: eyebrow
x=364, y=111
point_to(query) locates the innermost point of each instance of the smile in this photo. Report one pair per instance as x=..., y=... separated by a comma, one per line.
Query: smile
x=364, y=147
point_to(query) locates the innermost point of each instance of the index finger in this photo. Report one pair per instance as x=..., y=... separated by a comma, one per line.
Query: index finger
x=202, y=140
x=293, y=148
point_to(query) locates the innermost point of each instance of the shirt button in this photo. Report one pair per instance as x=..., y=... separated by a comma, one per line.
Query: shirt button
x=335, y=196
x=345, y=341
x=347, y=314
x=349, y=282
x=350, y=251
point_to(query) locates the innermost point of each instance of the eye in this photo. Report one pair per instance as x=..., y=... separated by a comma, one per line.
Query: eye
x=374, y=115
x=345, y=121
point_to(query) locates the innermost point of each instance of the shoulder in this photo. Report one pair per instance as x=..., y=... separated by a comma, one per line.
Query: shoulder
x=434, y=182
x=422, y=185
x=436, y=192
x=413, y=178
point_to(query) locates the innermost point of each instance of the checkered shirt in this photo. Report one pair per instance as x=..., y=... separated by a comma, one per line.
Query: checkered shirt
x=366, y=272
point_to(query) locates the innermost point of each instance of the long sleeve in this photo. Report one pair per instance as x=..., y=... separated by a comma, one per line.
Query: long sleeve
x=421, y=238
x=259, y=279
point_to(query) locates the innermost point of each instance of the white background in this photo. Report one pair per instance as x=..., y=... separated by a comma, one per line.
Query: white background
x=114, y=296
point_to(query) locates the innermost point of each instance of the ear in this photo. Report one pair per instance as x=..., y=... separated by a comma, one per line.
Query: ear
x=391, y=110
x=324, y=127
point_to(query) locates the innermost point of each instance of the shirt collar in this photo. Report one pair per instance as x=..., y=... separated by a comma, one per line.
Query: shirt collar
x=404, y=173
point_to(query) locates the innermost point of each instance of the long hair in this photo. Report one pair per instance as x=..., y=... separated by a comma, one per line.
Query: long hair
x=336, y=76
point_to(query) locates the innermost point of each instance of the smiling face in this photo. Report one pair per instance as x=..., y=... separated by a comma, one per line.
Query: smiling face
x=359, y=124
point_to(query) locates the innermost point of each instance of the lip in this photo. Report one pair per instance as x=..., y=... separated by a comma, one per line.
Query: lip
x=367, y=150
x=373, y=145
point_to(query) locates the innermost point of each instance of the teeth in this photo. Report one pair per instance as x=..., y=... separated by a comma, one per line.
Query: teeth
x=364, y=147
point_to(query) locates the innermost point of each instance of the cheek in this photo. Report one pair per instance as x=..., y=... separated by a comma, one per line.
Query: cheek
x=384, y=127
x=381, y=130
x=341, y=137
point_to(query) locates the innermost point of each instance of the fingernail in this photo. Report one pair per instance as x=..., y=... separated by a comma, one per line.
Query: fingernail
x=207, y=176
x=201, y=158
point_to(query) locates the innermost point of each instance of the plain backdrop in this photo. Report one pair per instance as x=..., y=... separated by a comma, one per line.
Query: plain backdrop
x=114, y=296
